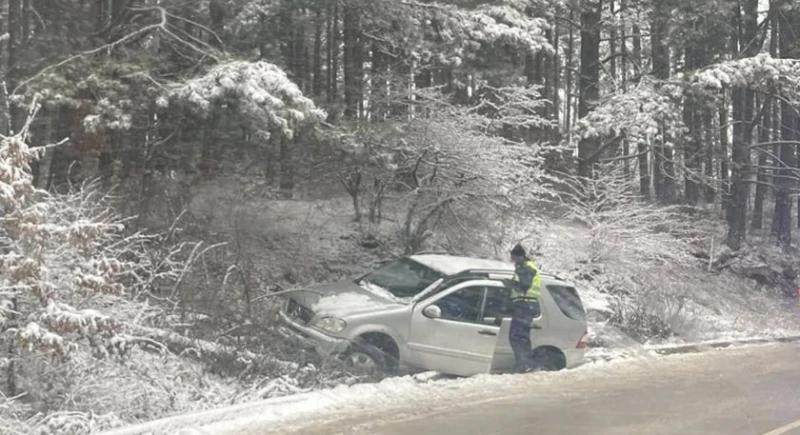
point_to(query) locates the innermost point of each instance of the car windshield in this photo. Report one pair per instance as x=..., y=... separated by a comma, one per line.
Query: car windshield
x=403, y=278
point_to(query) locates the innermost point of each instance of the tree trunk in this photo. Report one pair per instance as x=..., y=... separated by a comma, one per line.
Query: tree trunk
x=670, y=193
x=287, y=165
x=216, y=12
x=547, y=70
x=26, y=20
x=333, y=50
x=305, y=65
x=637, y=46
x=626, y=151
x=763, y=179
x=708, y=151
x=663, y=170
x=589, y=80
x=556, y=80
x=4, y=117
x=12, y=69
x=644, y=171
x=378, y=93
x=568, y=78
x=352, y=57
x=691, y=146
x=743, y=102
x=42, y=173
x=623, y=50
x=612, y=46
x=642, y=148
x=263, y=36
x=724, y=171
x=782, y=218
x=11, y=370
x=765, y=132
x=318, y=78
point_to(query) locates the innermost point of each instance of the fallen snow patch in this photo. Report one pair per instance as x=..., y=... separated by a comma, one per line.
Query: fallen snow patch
x=345, y=303
x=380, y=291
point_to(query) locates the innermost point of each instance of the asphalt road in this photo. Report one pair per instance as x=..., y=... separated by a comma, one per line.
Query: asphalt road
x=752, y=391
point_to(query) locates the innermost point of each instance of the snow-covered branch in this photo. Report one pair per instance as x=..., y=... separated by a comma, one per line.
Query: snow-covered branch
x=761, y=72
x=646, y=114
x=622, y=227
x=67, y=257
x=263, y=93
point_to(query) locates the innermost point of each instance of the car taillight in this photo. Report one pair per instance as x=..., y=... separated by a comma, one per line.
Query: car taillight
x=583, y=342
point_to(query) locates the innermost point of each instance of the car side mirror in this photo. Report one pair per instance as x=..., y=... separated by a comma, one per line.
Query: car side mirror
x=432, y=311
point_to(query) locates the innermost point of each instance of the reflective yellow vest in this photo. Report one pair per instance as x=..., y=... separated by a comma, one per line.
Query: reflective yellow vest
x=534, y=290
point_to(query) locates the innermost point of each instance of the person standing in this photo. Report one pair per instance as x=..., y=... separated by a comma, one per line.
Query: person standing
x=525, y=292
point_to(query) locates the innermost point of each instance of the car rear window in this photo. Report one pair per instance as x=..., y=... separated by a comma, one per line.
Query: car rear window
x=568, y=301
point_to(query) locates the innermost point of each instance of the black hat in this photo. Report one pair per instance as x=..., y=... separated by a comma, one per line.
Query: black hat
x=518, y=251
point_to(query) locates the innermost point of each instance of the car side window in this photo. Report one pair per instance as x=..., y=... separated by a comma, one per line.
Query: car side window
x=498, y=303
x=463, y=305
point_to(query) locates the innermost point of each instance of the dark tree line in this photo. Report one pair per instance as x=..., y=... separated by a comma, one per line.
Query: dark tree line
x=101, y=66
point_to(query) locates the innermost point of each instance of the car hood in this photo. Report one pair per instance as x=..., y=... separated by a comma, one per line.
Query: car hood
x=345, y=298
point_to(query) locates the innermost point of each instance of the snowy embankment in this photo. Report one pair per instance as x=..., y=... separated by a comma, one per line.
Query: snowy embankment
x=399, y=396
x=698, y=311
x=424, y=389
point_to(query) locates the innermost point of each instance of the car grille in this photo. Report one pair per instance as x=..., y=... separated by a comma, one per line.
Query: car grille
x=298, y=312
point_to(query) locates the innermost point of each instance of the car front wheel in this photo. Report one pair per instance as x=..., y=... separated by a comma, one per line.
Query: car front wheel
x=365, y=359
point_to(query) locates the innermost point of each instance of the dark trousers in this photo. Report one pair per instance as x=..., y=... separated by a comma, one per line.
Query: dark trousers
x=519, y=334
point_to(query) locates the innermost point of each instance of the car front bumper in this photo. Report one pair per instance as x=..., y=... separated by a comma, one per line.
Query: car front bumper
x=324, y=344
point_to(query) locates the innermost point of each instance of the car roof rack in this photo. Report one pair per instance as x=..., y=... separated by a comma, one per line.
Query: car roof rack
x=434, y=253
x=556, y=277
x=480, y=272
x=486, y=272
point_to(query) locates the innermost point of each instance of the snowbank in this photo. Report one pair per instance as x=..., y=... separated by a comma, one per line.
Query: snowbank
x=425, y=391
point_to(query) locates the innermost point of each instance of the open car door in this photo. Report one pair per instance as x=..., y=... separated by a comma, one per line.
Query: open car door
x=449, y=333
x=497, y=305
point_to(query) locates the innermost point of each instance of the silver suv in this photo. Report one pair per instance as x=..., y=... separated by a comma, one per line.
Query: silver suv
x=434, y=312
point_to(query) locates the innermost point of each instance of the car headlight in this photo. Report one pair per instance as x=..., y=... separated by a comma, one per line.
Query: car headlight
x=330, y=324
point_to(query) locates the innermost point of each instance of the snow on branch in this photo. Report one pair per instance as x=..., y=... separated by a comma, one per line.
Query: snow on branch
x=452, y=162
x=67, y=259
x=261, y=91
x=511, y=106
x=509, y=25
x=442, y=33
x=622, y=227
x=645, y=114
x=761, y=72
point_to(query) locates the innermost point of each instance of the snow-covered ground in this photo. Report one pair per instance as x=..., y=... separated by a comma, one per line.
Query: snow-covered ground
x=420, y=391
x=711, y=309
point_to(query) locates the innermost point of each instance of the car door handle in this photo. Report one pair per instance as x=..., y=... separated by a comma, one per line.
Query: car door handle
x=485, y=332
x=536, y=327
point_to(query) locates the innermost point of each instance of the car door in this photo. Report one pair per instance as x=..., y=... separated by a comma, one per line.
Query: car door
x=458, y=341
x=497, y=304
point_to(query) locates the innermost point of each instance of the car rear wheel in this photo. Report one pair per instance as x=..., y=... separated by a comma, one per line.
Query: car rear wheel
x=548, y=359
